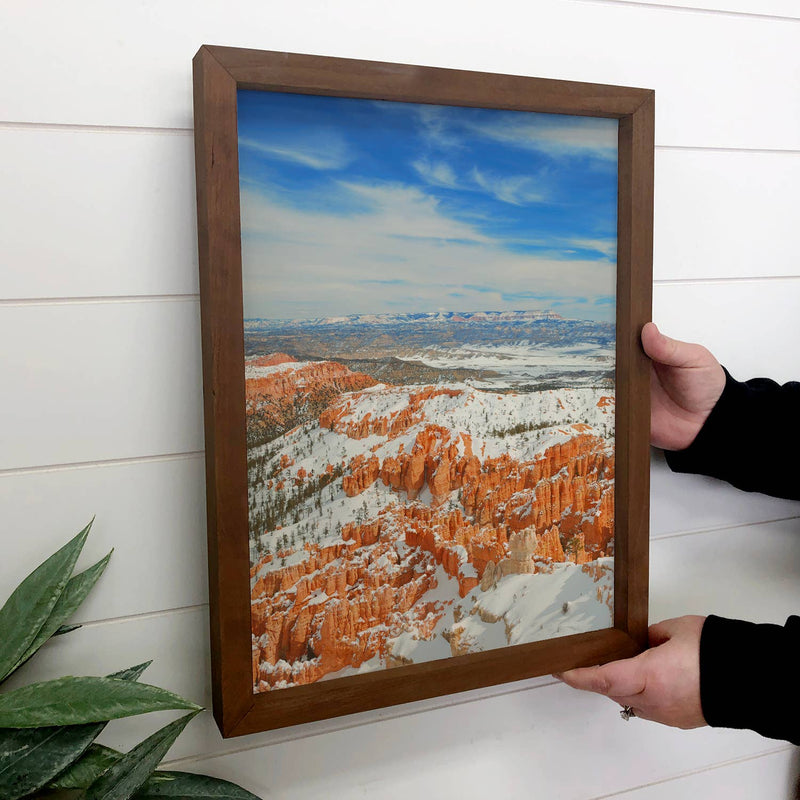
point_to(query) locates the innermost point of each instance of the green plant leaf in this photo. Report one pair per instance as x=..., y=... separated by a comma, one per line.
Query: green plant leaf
x=187, y=786
x=73, y=595
x=91, y=765
x=97, y=759
x=75, y=701
x=124, y=778
x=30, y=757
x=66, y=629
x=131, y=673
x=30, y=604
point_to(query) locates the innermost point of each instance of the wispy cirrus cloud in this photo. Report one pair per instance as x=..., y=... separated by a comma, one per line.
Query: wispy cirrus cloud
x=319, y=151
x=556, y=135
x=607, y=247
x=518, y=190
x=436, y=173
x=438, y=128
x=595, y=137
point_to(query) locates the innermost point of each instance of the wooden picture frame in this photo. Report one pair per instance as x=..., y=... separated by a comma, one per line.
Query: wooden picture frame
x=219, y=72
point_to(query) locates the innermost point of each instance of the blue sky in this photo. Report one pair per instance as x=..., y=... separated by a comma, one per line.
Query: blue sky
x=358, y=206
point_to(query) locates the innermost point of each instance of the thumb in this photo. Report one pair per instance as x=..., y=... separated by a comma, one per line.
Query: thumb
x=617, y=679
x=671, y=352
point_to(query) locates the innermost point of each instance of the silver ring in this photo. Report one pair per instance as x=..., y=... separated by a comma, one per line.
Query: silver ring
x=627, y=712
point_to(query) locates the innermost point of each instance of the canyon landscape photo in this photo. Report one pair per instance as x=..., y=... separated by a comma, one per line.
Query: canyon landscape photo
x=429, y=322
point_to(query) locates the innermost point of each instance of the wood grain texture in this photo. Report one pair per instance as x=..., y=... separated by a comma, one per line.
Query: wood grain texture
x=346, y=77
x=634, y=308
x=219, y=72
x=219, y=237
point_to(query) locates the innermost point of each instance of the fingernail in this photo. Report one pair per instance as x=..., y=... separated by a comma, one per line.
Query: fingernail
x=557, y=676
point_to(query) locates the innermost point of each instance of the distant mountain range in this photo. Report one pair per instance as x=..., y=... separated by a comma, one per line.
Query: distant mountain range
x=493, y=340
x=399, y=319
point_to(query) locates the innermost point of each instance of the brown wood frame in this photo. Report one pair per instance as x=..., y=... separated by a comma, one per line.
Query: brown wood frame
x=218, y=73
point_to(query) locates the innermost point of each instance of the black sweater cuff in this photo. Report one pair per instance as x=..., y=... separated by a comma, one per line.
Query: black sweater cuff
x=750, y=438
x=703, y=453
x=748, y=676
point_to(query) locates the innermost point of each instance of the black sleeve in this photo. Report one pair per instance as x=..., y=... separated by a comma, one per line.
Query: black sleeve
x=748, y=672
x=748, y=676
x=751, y=439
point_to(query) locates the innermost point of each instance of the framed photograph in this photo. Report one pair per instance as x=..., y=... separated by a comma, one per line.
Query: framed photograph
x=426, y=406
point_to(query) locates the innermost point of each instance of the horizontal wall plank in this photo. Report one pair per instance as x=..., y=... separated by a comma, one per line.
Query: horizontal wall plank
x=94, y=381
x=104, y=213
x=724, y=214
x=517, y=746
x=707, y=93
x=775, y=8
x=177, y=642
x=745, y=573
x=768, y=777
x=680, y=502
x=689, y=574
x=96, y=213
x=446, y=752
x=752, y=327
x=151, y=513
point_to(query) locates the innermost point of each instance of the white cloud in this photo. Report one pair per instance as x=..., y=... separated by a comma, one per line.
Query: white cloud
x=436, y=173
x=518, y=190
x=554, y=134
x=587, y=135
x=321, y=151
x=605, y=246
x=310, y=263
x=437, y=126
x=407, y=212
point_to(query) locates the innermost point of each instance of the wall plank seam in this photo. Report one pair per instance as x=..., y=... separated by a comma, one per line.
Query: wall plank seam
x=72, y=127
x=298, y=733
x=709, y=149
x=145, y=615
x=111, y=462
x=691, y=9
x=721, y=281
x=120, y=298
x=715, y=529
x=12, y=125
x=195, y=298
x=709, y=768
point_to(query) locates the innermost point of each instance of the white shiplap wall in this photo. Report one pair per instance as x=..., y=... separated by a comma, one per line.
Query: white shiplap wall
x=100, y=407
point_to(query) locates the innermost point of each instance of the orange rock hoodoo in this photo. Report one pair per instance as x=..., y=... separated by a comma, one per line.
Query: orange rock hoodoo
x=340, y=605
x=275, y=399
x=570, y=484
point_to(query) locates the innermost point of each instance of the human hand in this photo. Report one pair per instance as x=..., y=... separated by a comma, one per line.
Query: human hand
x=662, y=684
x=685, y=383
